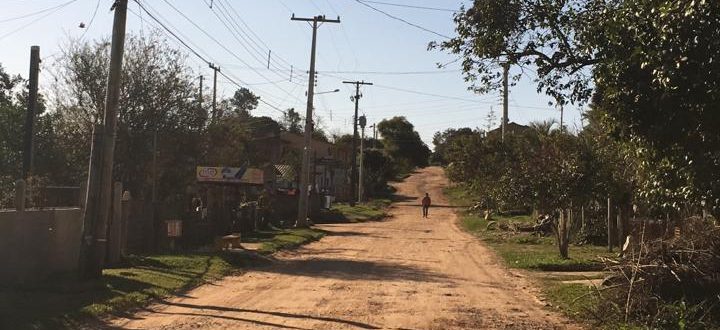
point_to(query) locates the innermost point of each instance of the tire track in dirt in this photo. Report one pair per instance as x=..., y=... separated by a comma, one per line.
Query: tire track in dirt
x=402, y=273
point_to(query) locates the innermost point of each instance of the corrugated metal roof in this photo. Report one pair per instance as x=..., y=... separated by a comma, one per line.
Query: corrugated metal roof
x=287, y=172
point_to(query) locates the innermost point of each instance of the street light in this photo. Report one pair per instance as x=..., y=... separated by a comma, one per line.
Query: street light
x=333, y=91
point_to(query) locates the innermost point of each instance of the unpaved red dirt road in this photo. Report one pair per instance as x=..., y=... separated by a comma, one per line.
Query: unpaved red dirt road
x=402, y=273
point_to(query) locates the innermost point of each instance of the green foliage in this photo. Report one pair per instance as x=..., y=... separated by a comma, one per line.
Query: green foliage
x=403, y=144
x=292, y=122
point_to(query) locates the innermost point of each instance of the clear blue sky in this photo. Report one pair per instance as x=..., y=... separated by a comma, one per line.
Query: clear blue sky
x=366, y=45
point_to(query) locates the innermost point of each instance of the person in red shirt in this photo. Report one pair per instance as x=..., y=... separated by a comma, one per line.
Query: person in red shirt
x=425, y=205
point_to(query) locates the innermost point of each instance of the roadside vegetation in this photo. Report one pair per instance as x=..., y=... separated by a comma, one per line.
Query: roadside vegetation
x=274, y=240
x=372, y=210
x=67, y=303
x=644, y=167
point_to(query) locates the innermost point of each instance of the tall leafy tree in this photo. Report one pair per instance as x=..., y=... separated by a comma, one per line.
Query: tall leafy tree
x=403, y=144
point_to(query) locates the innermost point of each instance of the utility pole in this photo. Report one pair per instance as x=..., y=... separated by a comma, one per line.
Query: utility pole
x=373, y=136
x=97, y=210
x=214, y=103
x=353, y=170
x=200, y=99
x=562, y=127
x=506, y=68
x=31, y=111
x=305, y=170
x=361, y=185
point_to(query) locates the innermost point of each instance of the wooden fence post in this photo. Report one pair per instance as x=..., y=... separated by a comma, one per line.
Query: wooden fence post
x=609, y=226
x=125, y=210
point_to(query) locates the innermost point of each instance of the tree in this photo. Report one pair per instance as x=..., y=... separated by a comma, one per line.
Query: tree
x=292, y=122
x=443, y=140
x=557, y=37
x=403, y=144
x=156, y=98
x=652, y=65
x=243, y=101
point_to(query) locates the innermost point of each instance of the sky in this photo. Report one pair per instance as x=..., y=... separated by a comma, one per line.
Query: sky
x=237, y=36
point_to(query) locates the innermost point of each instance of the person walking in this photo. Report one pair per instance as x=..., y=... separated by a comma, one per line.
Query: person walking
x=425, y=205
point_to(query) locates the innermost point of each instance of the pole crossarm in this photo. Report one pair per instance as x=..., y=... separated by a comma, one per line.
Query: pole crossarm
x=353, y=170
x=302, y=220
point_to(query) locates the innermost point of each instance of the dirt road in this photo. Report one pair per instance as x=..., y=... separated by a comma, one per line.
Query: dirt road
x=403, y=273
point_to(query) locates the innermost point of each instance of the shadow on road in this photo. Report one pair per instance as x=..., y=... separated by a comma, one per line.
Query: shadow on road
x=355, y=270
x=255, y=311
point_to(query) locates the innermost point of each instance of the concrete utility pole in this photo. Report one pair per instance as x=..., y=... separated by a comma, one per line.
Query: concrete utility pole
x=506, y=68
x=97, y=210
x=302, y=220
x=361, y=185
x=214, y=101
x=31, y=111
x=354, y=174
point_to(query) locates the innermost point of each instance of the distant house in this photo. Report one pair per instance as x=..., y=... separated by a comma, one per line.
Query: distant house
x=330, y=163
x=511, y=128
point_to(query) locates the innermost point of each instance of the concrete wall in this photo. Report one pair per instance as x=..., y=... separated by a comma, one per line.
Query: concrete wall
x=35, y=244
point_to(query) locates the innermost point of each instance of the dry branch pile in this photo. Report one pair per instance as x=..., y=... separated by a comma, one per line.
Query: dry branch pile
x=670, y=283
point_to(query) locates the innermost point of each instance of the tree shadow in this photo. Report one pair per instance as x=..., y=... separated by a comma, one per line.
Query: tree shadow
x=355, y=270
x=272, y=313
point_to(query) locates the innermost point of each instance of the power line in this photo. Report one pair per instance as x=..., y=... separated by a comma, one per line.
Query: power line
x=221, y=44
x=402, y=20
x=192, y=50
x=232, y=31
x=411, y=6
x=54, y=10
x=37, y=12
x=392, y=72
x=92, y=19
x=229, y=4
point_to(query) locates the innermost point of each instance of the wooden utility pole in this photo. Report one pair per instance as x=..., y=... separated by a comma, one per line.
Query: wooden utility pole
x=31, y=111
x=361, y=185
x=302, y=220
x=506, y=68
x=97, y=210
x=214, y=101
x=353, y=170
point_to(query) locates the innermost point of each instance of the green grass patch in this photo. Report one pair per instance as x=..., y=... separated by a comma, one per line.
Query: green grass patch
x=60, y=304
x=372, y=210
x=274, y=240
x=574, y=299
x=65, y=303
x=529, y=251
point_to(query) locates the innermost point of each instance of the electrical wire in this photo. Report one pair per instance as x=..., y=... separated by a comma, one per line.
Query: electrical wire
x=92, y=19
x=54, y=10
x=203, y=58
x=37, y=12
x=402, y=20
x=411, y=6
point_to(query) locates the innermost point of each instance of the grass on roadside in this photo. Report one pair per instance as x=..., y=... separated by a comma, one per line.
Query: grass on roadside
x=274, y=240
x=372, y=210
x=538, y=254
x=528, y=251
x=61, y=303
x=66, y=303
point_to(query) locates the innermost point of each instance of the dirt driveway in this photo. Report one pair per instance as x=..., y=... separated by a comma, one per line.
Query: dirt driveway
x=403, y=273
